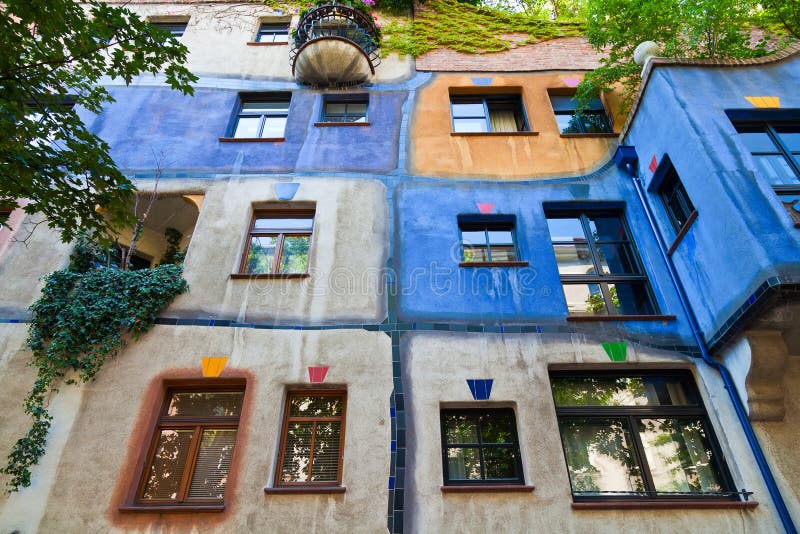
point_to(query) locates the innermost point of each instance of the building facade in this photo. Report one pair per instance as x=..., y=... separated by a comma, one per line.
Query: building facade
x=443, y=302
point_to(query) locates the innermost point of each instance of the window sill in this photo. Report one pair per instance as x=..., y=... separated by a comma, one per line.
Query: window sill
x=488, y=488
x=336, y=124
x=275, y=276
x=256, y=43
x=601, y=318
x=644, y=505
x=286, y=490
x=678, y=238
x=597, y=135
x=493, y=264
x=492, y=134
x=172, y=508
x=252, y=139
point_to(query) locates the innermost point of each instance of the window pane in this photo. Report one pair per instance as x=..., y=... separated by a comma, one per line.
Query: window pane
x=622, y=391
x=617, y=259
x=468, y=110
x=469, y=125
x=326, y=452
x=501, y=237
x=631, y=298
x=502, y=243
x=505, y=119
x=274, y=127
x=315, y=405
x=595, y=122
x=584, y=299
x=297, y=452
x=357, y=108
x=758, y=142
x=213, y=463
x=562, y=102
x=474, y=243
x=294, y=256
x=566, y=124
x=607, y=228
x=463, y=463
x=461, y=428
x=500, y=463
x=497, y=427
x=215, y=404
x=335, y=108
x=599, y=456
x=569, y=229
x=271, y=107
x=790, y=136
x=574, y=259
x=776, y=170
x=261, y=254
x=679, y=455
x=169, y=461
x=247, y=127
x=283, y=224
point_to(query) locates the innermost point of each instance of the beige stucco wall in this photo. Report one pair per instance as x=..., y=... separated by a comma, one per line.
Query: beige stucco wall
x=217, y=35
x=435, y=152
x=436, y=366
x=114, y=414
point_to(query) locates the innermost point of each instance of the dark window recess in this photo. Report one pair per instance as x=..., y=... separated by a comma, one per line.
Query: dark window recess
x=312, y=441
x=490, y=113
x=278, y=242
x=638, y=436
x=480, y=446
x=593, y=119
x=488, y=238
x=273, y=33
x=676, y=201
x=775, y=146
x=600, y=270
x=136, y=262
x=262, y=116
x=345, y=108
x=190, y=456
x=176, y=29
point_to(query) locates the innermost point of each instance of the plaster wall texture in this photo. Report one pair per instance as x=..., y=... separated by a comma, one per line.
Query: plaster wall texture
x=435, y=370
x=435, y=151
x=146, y=122
x=434, y=288
x=217, y=35
x=97, y=467
x=722, y=180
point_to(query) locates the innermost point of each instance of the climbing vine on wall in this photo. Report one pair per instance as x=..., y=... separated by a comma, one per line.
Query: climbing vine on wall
x=469, y=29
x=83, y=317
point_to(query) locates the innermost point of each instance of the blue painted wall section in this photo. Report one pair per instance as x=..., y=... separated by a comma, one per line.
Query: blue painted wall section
x=743, y=236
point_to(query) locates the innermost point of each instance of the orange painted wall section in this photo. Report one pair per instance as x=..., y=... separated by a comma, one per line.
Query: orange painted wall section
x=435, y=152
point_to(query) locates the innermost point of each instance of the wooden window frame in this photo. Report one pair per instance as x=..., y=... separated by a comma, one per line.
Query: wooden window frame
x=277, y=214
x=632, y=413
x=284, y=433
x=600, y=279
x=198, y=423
x=478, y=412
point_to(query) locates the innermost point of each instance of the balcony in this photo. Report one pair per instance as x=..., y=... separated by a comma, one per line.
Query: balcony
x=335, y=45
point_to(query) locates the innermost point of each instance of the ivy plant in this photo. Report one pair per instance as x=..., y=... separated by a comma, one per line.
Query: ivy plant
x=84, y=317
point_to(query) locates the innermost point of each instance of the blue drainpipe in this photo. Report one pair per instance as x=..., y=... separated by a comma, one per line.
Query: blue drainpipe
x=626, y=158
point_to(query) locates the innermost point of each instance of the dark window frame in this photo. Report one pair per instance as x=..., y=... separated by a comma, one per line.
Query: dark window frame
x=634, y=413
x=596, y=109
x=486, y=99
x=599, y=278
x=770, y=125
x=272, y=29
x=247, y=98
x=473, y=223
x=198, y=423
x=479, y=412
x=358, y=98
x=284, y=433
x=279, y=233
x=672, y=189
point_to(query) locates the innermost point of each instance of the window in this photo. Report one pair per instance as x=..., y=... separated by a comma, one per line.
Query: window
x=676, y=201
x=278, y=242
x=345, y=108
x=190, y=454
x=273, y=33
x=480, y=446
x=638, y=435
x=600, y=271
x=593, y=119
x=262, y=117
x=488, y=239
x=488, y=113
x=176, y=29
x=312, y=440
x=776, y=148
